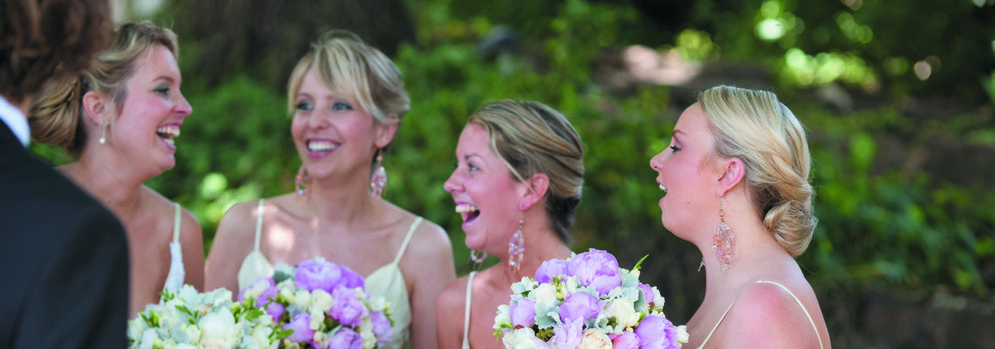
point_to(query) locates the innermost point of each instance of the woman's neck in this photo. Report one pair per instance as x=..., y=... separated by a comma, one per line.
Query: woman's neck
x=541, y=244
x=117, y=187
x=753, y=249
x=340, y=201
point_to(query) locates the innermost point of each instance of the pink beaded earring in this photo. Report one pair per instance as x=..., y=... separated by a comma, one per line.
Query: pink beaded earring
x=723, y=240
x=300, y=182
x=477, y=257
x=378, y=181
x=516, y=247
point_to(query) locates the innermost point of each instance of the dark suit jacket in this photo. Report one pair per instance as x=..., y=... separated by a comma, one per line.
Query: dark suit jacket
x=64, y=259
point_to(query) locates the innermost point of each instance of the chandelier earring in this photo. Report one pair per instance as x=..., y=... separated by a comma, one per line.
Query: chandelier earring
x=722, y=241
x=378, y=180
x=478, y=258
x=300, y=182
x=103, y=132
x=516, y=247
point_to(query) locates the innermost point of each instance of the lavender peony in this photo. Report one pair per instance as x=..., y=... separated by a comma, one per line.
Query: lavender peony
x=523, y=313
x=381, y=327
x=347, y=308
x=301, y=324
x=350, y=279
x=568, y=334
x=579, y=306
x=550, y=269
x=318, y=275
x=656, y=332
x=647, y=292
x=596, y=268
x=345, y=338
x=626, y=340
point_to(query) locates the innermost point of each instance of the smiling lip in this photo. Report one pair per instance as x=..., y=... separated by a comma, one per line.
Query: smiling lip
x=468, y=212
x=318, y=148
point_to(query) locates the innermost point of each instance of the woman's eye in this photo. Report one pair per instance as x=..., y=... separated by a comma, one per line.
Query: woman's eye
x=302, y=105
x=472, y=167
x=341, y=106
x=163, y=90
x=674, y=148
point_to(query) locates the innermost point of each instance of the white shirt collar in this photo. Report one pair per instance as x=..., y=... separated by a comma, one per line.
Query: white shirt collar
x=15, y=121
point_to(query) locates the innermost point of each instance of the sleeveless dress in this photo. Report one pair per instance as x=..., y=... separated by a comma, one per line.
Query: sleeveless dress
x=176, y=275
x=387, y=282
x=814, y=327
x=466, y=312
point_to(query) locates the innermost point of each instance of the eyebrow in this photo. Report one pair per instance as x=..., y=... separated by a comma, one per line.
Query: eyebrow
x=164, y=77
x=676, y=132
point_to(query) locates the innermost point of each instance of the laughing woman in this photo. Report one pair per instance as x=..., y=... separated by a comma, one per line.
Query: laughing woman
x=119, y=119
x=347, y=100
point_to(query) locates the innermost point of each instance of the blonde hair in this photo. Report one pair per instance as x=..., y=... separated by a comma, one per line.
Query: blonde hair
x=530, y=137
x=755, y=127
x=352, y=69
x=55, y=116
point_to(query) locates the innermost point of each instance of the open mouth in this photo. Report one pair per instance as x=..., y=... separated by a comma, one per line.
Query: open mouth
x=168, y=132
x=468, y=212
x=320, y=146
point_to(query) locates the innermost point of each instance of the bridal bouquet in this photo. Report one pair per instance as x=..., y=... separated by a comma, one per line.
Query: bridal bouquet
x=320, y=305
x=189, y=319
x=586, y=302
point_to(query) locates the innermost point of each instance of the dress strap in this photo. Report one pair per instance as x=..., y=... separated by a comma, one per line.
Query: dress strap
x=809, y=316
x=259, y=223
x=466, y=312
x=177, y=217
x=716, y=325
x=407, y=238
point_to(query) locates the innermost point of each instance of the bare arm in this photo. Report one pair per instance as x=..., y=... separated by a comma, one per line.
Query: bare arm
x=192, y=242
x=431, y=257
x=766, y=316
x=232, y=243
x=451, y=306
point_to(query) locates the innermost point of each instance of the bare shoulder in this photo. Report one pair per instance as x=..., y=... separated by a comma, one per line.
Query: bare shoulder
x=430, y=239
x=767, y=315
x=452, y=301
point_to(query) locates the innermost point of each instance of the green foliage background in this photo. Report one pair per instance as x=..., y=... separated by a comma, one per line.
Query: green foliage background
x=882, y=227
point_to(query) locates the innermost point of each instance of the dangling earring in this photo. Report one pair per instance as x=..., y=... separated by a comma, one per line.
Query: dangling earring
x=300, y=182
x=378, y=181
x=722, y=241
x=103, y=132
x=477, y=257
x=516, y=247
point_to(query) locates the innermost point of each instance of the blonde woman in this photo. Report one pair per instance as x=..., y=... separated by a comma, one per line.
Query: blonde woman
x=347, y=100
x=735, y=182
x=517, y=183
x=119, y=119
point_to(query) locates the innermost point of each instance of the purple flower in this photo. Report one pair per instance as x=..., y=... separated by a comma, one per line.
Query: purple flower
x=318, y=275
x=656, y=332
x=647, y=292
x=596, y=268
x=345, y=338
x=301, y=324
x=258, y=283
x=625, y=340
x=550, y=269
x=350, y=279
x=523, y=313
x=579, y=306
x=275, y=310
x=347, y=308
x=569, y=334
x=381, y=327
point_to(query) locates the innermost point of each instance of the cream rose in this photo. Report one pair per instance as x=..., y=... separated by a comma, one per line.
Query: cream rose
x=623, y=312
x=595, y=339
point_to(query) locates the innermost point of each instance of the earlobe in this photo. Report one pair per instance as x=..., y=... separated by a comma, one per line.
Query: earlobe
x=734, y=172
x=537, y=185
x=385, y=132
x=94, y=107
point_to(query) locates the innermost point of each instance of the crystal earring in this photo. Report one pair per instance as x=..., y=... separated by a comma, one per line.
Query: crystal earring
x=723, y=240
x=300, y=182
x=103, y=132
x=477, y=257
x=378, y=181
x=516, y=247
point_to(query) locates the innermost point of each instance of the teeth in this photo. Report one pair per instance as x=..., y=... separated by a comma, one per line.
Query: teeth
x=168, y=131
x=466, y=208
x=169, y=141
x=317, y=146
x=663, y=187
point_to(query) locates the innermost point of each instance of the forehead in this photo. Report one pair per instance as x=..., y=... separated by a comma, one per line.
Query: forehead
x=693, y=121
x=474, y=138
x=156, y=62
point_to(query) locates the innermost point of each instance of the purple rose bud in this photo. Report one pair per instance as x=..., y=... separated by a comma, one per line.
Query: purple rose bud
x=350, y=279
x=523, y=313
x=347, y=308
x=345, y=338
x=301, y=324
x=550, y=269
x=656, y=332
x=596, y=268
x=317, y=275
x=381, y=328
x=275, y=310
x=647, y=292
x=579, y=306
x=625, y=340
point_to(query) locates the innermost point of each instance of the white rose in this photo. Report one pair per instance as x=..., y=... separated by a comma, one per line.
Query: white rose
x=682, y=334
x=522, y=338
x=545, y=293
x=218, y=329
x=321, y=338
x=571, y=285
x=193, y=333
x=302, y=299
x=595, y=339
x=317, y=320
x=148, y=339
x=503, y=316
x=658, y=300
x=623, y=312
x=320, y=301
x=259, y=338
x=366, y=333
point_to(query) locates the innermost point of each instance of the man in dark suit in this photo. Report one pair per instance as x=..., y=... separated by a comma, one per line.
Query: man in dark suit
x=64, y=257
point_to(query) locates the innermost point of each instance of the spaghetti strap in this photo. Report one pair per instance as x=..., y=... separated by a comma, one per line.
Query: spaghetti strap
x=809, y=316
x=716, y=325
x=177, y=217
x=259, y=223
x=466, y=312
x=407, y=238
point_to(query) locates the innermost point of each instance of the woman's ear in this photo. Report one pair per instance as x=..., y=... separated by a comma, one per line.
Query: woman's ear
x=536, y=186
x=733, y=172
x=386, y=131
x=95, y=105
